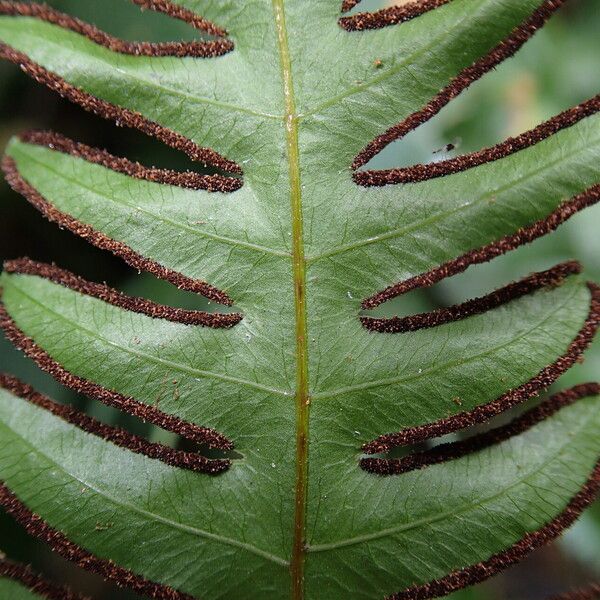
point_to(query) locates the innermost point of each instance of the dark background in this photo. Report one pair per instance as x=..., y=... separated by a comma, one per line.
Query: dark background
x=558, y=68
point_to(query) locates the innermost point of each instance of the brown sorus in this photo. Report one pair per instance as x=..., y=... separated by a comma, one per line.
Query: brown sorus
x=102, y=241
x=122, y=116
x=36, y=527
x=35, y=583
x=385, y=17
x=25, y=266
x=546, y=377
x=498, y=562
x=349, y=5
x=422, y=172
x=455, y=450
x=145, y=412
x=185, y=179
x=497, y=55
x=120, y=437
x=441, y=316
x=203, y=49
x=486, y=253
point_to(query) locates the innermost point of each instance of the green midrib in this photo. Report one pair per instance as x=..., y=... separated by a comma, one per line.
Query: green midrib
x=302, y=398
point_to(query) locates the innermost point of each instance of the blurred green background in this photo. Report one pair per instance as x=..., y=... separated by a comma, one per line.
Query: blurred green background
x=558, y=68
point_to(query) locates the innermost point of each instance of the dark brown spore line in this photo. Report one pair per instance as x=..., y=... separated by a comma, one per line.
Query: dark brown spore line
x=102, y=241
x=591, y=592
x=175, y=458
x=36, y=527
x=25, y=266
x=455, y=450
x=121, y=116
x=145, y=412
x=531, y=541
x=35, y=583
x=536, y=281
x=348, y=5
x=543, y=380
x=185, y=179
x=501, y=52
x=423, y=172
x=183, y=14
x=204, y=49
x=486, y=253
x=386, y=16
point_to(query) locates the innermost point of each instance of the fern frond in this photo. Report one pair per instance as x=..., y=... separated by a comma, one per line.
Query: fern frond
x=297, y=234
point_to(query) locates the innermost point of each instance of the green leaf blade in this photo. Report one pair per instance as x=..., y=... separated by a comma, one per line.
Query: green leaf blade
x=221, y=238
x=166, y=514
x=465, y=507
x=299, y=385
x=17, y=591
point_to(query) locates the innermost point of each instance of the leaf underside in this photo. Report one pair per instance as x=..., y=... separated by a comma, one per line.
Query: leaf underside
x=282, y=100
